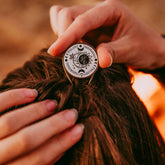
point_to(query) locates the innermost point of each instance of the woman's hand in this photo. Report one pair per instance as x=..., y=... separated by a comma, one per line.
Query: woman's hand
x=119, y=36
x=32, y=134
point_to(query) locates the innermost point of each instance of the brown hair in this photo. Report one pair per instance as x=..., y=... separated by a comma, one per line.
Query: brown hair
x=118, y=129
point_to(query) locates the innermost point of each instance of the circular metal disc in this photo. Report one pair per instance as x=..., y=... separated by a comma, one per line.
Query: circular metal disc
x=80, y=60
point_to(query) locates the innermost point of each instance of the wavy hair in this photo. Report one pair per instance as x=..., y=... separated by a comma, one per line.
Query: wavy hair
x=118, y=129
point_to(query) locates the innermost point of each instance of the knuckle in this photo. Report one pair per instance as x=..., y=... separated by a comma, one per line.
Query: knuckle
x=12, y=94
x=23, y=142
x=58, y=123
x=16, y=94
x=61, y=143
x=65, y=12
x=76, y=37
x=81, y=20
x=55, y=8
x=52, y=123
x=6, y=125
x=39, y=109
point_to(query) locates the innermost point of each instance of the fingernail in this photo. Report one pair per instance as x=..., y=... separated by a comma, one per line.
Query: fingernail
x=110, y=60
x=50, y=50
x=105, y=58
x=78, y=130
x=31, y=93
x=51, y=104
x=71, y=114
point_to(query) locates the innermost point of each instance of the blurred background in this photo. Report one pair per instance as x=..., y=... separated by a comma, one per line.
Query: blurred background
x=25, y=29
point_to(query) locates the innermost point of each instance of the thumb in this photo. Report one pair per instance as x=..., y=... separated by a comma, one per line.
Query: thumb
x=113, y=52
x=104, y=55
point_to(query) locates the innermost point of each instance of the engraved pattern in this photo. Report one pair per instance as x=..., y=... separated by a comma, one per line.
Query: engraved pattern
x=80, y=60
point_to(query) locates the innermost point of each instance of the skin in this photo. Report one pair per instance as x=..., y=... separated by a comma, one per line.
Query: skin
x=22, y=139
x=119, y=36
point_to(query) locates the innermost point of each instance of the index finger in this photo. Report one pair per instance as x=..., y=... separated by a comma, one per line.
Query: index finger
x=16, y=97
x=82, y=24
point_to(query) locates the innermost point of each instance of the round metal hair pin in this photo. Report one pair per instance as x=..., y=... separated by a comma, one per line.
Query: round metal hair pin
x=80, y=61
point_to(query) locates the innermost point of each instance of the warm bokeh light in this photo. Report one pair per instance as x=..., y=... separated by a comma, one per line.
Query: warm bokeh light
x=145, y=85
x=25, y=29
x=152, y=95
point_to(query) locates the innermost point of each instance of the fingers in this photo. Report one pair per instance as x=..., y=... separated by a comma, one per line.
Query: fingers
x=61, y=18
x=17, y=119
x=64, y=19
x=54, y=10
x=104, y=56
x=34, y=135
x=54, y=149
x=16, y=97
x=83, y=24
x=117, y=52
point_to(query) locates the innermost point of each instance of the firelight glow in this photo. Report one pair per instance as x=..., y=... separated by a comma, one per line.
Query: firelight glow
x=145, y=85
